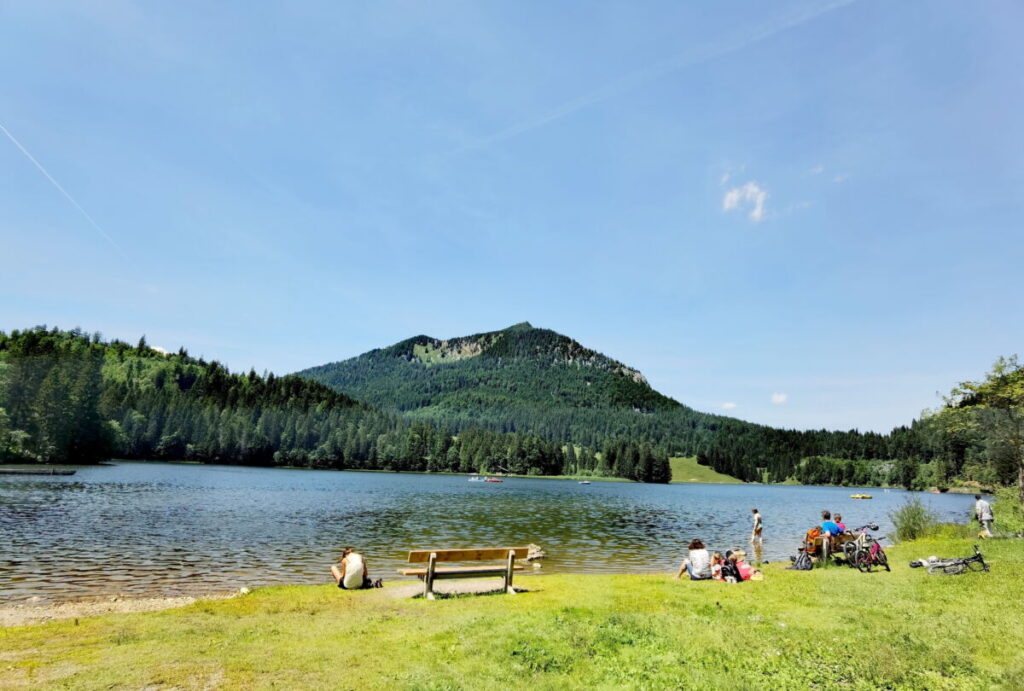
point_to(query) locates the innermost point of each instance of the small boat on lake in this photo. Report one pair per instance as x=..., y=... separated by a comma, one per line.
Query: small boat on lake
x=476, y=478
x=860, y=496
x=584, y=482
x=493, y=479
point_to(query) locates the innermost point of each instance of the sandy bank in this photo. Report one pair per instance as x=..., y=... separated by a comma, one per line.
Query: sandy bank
x=37, y=613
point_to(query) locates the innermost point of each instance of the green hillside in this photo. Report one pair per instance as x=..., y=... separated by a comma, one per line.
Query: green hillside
x=70, y=397
x=688, y=470
x=530, y=380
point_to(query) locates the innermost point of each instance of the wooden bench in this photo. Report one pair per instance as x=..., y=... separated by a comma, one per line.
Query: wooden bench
x=825, y=547
x=432, y=556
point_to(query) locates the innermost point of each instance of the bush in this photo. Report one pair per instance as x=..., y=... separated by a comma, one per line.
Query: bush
x=914, y=520
x=1008, y=512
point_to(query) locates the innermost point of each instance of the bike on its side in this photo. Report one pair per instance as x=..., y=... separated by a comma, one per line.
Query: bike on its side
x=951, y=567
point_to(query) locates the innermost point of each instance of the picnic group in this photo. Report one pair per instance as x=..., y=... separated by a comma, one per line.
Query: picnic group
x=731, y=567
x=351, y=572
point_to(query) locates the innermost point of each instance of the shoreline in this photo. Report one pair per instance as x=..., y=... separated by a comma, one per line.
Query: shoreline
x=35, y=612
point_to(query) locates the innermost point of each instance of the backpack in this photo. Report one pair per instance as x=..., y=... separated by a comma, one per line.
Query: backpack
x=802, y=563
x=812, y=535
x=729, y=570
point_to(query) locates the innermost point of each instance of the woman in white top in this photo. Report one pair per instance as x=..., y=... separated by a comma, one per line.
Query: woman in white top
x=351, y=574
x=697, y=562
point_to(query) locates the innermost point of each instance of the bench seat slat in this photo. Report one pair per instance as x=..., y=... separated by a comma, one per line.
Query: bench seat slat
x=467, y=572
x=422, y=556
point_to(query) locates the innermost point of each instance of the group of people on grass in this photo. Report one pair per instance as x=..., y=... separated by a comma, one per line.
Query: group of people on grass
x=730, y=568
x=351, y=573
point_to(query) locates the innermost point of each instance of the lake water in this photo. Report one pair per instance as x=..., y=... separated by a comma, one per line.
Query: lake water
x=171, y=529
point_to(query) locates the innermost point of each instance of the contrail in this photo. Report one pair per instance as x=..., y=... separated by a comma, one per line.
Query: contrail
x=653, y=72
x=63, y=191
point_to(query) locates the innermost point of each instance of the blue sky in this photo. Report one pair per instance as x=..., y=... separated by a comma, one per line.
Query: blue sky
x=806, y=214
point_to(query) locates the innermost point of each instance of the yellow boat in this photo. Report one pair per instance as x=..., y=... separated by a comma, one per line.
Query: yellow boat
x=860, y=496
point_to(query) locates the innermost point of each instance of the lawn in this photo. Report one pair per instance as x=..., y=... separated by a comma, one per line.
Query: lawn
x=688, y=470
x=829, y=628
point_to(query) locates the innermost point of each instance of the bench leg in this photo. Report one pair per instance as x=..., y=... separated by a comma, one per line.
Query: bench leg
x=428, y=579
x=508, y=573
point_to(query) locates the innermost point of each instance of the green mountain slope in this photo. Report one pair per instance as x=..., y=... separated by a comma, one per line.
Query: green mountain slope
x=501, y=378
x=529, y=380
x=66, y=396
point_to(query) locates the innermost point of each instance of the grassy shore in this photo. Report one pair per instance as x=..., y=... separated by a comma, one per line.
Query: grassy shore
x=686, y=469
x=828, y=628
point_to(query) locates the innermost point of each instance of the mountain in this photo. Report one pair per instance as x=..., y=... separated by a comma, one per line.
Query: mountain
x=67, y=396
x=536, y=381
x=493, y=377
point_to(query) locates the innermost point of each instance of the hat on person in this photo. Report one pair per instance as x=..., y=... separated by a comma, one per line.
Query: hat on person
x=739, y=555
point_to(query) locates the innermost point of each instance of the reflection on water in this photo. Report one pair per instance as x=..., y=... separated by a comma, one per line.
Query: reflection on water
x=155, y=528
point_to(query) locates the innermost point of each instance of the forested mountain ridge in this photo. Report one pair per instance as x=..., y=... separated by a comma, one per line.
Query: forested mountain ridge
x=67, y=396
x=536, y=381
x=515, y=364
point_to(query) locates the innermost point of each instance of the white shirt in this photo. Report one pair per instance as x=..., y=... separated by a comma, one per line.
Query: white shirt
x=354, y=570
x=700, y=563
x=983, y=510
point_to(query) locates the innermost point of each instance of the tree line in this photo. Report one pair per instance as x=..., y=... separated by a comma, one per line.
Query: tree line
x=66, y=396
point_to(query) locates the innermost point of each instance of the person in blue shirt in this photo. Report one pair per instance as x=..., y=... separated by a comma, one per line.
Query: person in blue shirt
x=828, y=527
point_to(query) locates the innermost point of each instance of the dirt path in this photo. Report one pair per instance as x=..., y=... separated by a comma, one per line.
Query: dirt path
x=38, y=613
x=20, y=615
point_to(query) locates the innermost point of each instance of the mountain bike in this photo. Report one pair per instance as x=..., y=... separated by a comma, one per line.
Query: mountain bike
x=871, y=555
x=861, y=541
x=953, y=566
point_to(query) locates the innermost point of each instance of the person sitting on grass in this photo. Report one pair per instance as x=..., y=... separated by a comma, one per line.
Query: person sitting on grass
x=716, y=567
x=828, y=526
x=697, y=562
x=351, y=573
x=745, y=570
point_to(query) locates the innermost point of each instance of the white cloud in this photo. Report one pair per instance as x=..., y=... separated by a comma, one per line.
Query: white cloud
x=817, y=170
x=780, y=398
x=159, y=350
x=840, y=178
x=750, y=195
x=725, y=178
x=729, y=406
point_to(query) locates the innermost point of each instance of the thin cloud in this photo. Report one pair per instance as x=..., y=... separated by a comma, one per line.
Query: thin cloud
x=729, y=406
x=840, y=178
x=817, y=170
x=656, y=71
x=780, y=398
x=750, y=195
x=63, y=191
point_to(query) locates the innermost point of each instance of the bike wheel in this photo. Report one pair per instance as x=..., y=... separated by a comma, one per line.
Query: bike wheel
x=863, y=560
x=883, y=560
x=850, y=554
x=953, y=569
x=977, y=565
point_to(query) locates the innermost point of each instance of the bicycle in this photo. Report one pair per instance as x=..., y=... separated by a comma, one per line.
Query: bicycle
x=860, y=541
x=871, y=555
x=953, y=566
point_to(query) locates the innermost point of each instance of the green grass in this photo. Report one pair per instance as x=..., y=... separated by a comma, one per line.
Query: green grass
x=688, y=470
x=828, y=628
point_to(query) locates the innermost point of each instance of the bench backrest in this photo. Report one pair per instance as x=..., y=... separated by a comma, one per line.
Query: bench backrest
x=423, y=555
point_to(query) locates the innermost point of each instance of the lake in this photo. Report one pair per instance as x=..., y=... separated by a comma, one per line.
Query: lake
x=172, y=529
